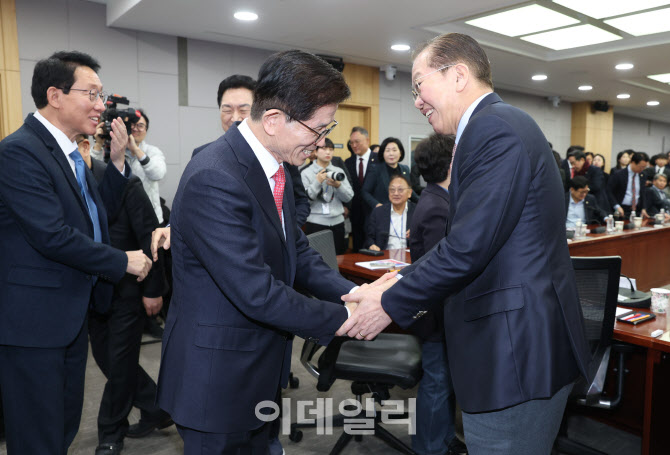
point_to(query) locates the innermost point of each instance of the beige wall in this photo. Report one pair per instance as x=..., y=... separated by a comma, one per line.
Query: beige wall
x=10, y=74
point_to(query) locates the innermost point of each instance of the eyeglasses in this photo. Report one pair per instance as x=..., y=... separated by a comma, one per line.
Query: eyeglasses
x=416, y=86
x=394, y=190
x=138, y=127
x=320, y=135
x=93, y=94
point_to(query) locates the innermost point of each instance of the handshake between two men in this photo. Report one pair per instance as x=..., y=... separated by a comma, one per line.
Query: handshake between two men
x=367, y=319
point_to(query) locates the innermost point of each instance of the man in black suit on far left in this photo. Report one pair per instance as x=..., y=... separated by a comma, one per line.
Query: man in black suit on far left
x=56, y=260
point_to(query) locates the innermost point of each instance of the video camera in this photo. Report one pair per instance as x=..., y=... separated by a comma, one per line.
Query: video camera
x=130, y=116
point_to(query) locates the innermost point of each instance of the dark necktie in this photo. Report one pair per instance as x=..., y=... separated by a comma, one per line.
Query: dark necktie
x=278, y=193
x=633, y=204
x=80, y=171
x=361, y=175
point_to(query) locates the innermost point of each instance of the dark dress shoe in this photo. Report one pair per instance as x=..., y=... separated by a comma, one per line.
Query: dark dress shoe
x=109, y=448
x=144, y=427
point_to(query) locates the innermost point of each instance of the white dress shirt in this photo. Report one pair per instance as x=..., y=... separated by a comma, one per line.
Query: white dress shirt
x=268, y=162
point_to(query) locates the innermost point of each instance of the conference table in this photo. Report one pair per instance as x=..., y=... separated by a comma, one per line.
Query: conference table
x=645, y=254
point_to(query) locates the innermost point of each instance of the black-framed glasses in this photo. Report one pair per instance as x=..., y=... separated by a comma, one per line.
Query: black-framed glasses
x=319, y=135
x=138, y=127
x=416, y=85
x=93, y=94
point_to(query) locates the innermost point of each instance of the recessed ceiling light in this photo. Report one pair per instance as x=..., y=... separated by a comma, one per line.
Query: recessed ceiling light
x=625, y=66
x=610, y=8
x=245, y=16
x=539, y=77
x=644, y=23
x=400, y=47
x=653, y=103
x=623, y=96
x=665, y=78
x=585, y=88
x=522, y=21
x=571, y=37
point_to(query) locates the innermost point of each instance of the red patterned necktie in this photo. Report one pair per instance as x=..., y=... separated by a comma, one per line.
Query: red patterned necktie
x=280, y=182
x=361, y=174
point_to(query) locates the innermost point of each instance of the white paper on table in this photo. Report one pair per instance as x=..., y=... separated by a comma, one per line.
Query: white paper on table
x=620, y=311
x=382, y=264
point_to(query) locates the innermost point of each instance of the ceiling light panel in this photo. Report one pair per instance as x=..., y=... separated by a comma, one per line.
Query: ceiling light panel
x=665, y=78
x=571, y=37
x=522, y=21
x=644, y=23
x=609, y=8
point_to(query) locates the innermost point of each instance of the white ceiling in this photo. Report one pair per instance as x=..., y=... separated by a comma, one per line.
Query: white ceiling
x=362, y=31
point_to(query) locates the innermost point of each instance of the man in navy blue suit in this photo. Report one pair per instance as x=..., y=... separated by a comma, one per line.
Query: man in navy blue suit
x=237, y=252
x=56, y=260
x=513, y=323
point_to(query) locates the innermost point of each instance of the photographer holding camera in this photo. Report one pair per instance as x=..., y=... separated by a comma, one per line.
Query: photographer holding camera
x=146, y=161
x=327, y=189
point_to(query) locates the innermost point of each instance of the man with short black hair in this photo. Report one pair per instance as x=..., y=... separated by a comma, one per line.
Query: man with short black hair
x=658, y=165
x=56, y=260
x=146, y=161
x=235, y=97
x=238, y=251
x=594, y=176
x=582, y=206
x=626, y=186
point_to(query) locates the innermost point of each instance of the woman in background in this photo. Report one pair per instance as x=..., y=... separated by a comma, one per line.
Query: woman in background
x=375, y=189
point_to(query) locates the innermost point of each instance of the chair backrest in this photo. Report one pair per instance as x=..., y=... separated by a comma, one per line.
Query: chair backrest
x=324, y=243
x=598, y=286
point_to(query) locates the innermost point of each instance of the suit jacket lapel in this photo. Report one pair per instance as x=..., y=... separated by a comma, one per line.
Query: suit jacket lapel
x=461, y=154
x=62, y=161
x=290, y=224
x=255, y=178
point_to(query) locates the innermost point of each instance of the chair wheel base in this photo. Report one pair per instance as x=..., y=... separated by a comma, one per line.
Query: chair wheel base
x=295, y=435
x=293, y=382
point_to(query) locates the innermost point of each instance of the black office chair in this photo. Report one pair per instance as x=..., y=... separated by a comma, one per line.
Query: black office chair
x=598, y=285
x=372, y=366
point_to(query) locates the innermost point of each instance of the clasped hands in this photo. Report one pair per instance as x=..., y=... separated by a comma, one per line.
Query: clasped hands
x=368, y=318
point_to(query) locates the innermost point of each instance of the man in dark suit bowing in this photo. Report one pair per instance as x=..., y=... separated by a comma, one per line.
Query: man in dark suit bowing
x=513, y=323
x=237, y=252
x=56, y=260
